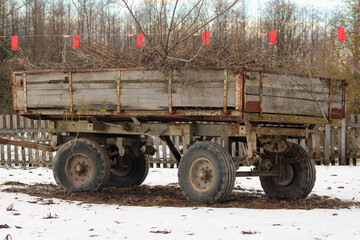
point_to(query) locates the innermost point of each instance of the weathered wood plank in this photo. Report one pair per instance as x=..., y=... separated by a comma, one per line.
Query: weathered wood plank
x=46, y=77
x=343, y=142
x=8, y=124
x=147, y=75
x=327, y=145
x=48, y=86
x=22, y=136
x=86, y=77
x=292, y=93
x=332, y=145
x=15, y=126
x=198, y=97
x=291, y=106
x=144, y=99
x=290, y=82
x=48, y=98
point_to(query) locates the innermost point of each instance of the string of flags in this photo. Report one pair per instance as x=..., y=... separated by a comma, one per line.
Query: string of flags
x=140, y=38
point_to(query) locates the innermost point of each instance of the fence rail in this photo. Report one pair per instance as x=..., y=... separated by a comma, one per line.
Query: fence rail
x=330, y=145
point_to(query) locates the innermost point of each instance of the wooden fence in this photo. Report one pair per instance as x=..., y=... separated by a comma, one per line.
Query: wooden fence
x=331, y=145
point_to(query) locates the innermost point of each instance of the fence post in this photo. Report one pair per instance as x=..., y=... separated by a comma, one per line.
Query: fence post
x=332, y=145
x=2, y=148
x=327, y=145
x=343, y=142
x=8, y=147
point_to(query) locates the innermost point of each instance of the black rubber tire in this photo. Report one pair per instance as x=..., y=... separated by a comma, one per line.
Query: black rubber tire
x=99, y=159
x=137, y=174
x=302, y=182
x=224, y=173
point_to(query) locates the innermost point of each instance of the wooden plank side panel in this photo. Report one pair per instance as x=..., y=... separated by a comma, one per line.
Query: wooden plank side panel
x=95, y=99
x=143, y=99
x=279, y=105
x=292, y=93
x=192, y=76
x=143, y=75
x=289, y=82
x=46, y=77
x=198, y=97
x=57, y=98
x=88, y=77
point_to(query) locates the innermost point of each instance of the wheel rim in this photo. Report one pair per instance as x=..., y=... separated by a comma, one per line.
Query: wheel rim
x=287, y=178
x=78, y=168
x=202, y=174
x=123, y=167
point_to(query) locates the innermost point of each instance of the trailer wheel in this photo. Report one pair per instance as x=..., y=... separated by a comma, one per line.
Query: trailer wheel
x=128, y=170
x=206, y=173
x=81, y=165
x=299, y=178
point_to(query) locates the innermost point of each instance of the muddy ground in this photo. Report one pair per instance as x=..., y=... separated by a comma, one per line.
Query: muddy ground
x=171, y=196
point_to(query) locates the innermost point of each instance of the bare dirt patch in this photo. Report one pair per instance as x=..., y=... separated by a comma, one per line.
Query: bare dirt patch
x=172, y=196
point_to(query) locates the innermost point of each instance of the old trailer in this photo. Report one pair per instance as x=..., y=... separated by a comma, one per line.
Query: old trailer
x=103, y=122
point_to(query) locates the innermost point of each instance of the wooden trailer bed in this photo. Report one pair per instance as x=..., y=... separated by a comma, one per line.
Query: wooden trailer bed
x=196, y=95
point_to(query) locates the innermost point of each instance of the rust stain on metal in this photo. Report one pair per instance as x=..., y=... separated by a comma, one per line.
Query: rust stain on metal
x=118, y=89
x=71, y=93
x=38, y=146
x=261, y=95
x=25, y=93
x=225, y=90
x=239, y=92
x=252, y=106
x=170, y=92
x=337, y=113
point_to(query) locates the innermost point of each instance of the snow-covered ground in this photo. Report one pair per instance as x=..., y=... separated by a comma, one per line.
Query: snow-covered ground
x=100, y=221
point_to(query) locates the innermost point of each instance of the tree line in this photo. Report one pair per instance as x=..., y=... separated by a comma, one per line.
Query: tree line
x=306, y=37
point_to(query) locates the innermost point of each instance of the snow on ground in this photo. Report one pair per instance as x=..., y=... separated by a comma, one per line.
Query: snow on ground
x=75, y=220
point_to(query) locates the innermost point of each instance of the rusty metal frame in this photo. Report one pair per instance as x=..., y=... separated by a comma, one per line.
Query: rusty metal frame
x=238, y=91
x=257, y=173
x=179, y=115
x=177, y=129
x=42, y=147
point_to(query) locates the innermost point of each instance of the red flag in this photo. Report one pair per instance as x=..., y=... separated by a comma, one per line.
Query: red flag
x=341, y=34
x=14, y=42
x=205, y=38
x=139, y=40
x=76, y=39
x=272, y=36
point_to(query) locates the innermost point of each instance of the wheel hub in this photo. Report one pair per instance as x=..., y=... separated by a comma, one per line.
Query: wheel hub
x=78, y=168
x=286, y=178
x=122, y=166
x=202, y=173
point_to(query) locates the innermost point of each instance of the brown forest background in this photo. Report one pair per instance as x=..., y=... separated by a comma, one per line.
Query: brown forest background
x=306, y=37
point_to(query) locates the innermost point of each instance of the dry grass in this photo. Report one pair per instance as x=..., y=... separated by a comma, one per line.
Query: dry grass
x=172, y=196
